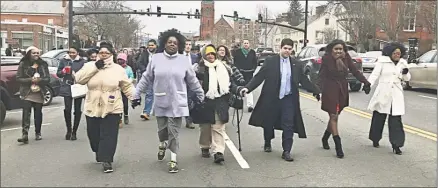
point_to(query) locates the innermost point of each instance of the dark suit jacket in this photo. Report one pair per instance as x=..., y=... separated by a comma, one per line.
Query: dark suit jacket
x=266, y=111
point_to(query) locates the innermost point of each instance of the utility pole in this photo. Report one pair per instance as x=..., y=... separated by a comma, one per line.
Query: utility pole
x=306, y=11
x=70, y=23
x=266, y=28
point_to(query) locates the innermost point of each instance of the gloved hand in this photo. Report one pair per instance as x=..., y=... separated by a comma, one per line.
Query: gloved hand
x=366, y=88
x=405, y=71
x=317, y=96
x=135, y=102
x=99, y=64
x=243, y=91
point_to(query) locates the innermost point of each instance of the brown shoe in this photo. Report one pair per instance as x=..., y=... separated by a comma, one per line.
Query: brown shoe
x=144, y=116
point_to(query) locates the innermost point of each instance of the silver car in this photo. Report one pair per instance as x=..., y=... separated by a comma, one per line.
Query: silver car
x=369, y=60
x=423, y=71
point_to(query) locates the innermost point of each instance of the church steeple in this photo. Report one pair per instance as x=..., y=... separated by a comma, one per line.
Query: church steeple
x=207, y=19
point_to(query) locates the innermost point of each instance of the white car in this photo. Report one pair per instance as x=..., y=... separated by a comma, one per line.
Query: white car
x=369, y=60
x=423, y=71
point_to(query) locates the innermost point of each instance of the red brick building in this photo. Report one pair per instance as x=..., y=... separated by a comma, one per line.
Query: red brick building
x=414, y=24
x=207, y=20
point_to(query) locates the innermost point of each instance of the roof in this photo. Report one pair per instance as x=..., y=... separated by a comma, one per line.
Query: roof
x=33, y=7
x=222, y=19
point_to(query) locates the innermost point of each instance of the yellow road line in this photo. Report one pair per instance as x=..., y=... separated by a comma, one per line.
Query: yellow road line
x=409, y=129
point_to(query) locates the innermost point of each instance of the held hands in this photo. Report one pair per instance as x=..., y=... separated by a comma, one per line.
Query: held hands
x=99, y=64
x=36, y=79
x=405, y=71
x=135, y=102
x=366, y=88
x=243, y=91
x=317, y=96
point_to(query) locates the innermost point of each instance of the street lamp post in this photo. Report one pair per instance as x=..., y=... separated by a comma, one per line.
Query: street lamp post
x=70, y=23
x=306, y=10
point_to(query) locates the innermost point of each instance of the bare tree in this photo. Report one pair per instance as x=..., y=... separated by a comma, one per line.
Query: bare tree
x=391, y=22
x=428, y=14
x=118, y=28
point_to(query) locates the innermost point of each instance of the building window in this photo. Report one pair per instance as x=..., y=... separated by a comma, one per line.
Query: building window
x=24, y=39
x=327, y=21
x=50, y=21
x=24, y=20
x=409, y=17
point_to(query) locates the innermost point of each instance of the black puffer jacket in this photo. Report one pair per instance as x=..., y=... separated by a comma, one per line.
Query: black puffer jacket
x=25, y=73
x=67, y=79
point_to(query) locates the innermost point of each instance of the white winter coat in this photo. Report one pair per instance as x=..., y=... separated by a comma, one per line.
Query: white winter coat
x=389, y=91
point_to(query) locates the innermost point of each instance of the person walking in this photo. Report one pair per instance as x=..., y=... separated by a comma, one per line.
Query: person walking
x=245, y=59
x=336, y=64
x=224, y=55
x=388, y=98
x=218, y=83
x=122, y=60
x=33, y=76
x=103, y=103
x=68, y=66
x=92, y=55
x=278, y=106
x=142, y=63
x=193, y=58
x=169, y=74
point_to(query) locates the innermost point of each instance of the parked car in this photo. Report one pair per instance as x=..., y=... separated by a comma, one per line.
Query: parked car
x=423, y=71
x=311, y=56
x=369, y=59
x=262, y=56
x=9, y=87
x=53, y=64
x=57, y=54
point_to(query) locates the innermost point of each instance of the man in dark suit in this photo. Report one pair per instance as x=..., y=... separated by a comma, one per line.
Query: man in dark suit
x=278, y=107
x=142, y=63
x=245, y=59
x=193, y=58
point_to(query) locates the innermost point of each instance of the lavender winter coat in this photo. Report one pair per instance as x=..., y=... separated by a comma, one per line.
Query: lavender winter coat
x=170, y=76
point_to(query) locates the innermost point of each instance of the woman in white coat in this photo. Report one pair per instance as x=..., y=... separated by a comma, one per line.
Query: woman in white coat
x=388, y=98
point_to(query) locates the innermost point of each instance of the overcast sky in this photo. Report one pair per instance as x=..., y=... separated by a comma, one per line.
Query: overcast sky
x=247, y=9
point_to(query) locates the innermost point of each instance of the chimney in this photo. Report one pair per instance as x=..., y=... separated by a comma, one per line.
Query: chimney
x=320, y=10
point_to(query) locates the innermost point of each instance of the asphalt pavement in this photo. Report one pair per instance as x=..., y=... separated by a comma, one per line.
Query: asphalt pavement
x=54, y=161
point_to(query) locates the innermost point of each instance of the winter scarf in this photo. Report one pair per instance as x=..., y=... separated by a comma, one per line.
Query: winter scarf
x=218, y=76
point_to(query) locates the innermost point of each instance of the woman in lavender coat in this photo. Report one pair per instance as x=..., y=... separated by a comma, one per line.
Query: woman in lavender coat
x=170, y=74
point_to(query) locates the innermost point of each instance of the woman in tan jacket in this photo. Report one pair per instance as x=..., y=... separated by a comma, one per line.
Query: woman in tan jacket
x=103, y=103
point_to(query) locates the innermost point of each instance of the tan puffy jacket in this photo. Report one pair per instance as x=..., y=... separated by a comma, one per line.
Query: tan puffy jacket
x=104, y=88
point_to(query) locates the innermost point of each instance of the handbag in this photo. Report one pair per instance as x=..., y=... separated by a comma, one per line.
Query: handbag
x=236, y=102
x=78, y=90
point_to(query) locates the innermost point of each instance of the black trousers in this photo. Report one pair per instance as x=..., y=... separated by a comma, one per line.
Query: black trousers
x=125, y=104
x=103, y=135
x=37, y=116
x=286, y=115
x=68, y=104
x=395, y=127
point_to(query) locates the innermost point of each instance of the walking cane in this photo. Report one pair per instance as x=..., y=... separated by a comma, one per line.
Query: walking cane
x=238, y=129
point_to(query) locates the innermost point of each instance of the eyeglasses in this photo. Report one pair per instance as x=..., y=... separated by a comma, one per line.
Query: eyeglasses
x=104, y=53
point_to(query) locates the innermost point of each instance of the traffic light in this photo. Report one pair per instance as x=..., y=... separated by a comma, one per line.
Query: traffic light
x=148, y=10
x=236, y=16
x=158, y=11
x=260, y=18
x=188, y=16
x=197, y=14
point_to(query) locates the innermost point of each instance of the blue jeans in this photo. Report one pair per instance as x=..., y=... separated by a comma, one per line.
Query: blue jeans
x=149, y=100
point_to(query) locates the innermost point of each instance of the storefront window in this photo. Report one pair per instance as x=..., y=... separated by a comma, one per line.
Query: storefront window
x=24, y=39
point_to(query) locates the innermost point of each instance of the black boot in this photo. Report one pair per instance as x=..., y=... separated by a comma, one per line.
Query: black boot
x=126, y=119
x=267, y=147
x=218, y=157
x=76, y=122
x=38, y=136
x=25, y=124
x=205, y=152
x=286, y=156
x=396, y=150
x=338, y=146
x=324, y=140
x=67, y=117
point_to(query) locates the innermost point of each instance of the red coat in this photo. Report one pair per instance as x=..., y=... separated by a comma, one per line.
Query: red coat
x=334, y=84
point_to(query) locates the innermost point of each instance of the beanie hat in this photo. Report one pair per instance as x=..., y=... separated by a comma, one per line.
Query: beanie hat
x=209, y=49
x=122, y=56
x=31, y=48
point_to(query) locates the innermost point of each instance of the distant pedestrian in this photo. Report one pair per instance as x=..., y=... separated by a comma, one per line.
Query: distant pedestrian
x=169, y=74
x=142, y=63
x=33, y=76
x=103, y=103
x=388, y=99
x=336, y=64
x=193, y=58
x=122, y=61
x=68, y=66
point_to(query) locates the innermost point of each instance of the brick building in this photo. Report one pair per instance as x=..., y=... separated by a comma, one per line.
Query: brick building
x=249, y=30
x=41, y=23
x=223, y=33
x=414, y=23
x=207, y=20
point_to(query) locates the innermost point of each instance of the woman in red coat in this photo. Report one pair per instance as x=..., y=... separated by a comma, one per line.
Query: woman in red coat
x=336, y=64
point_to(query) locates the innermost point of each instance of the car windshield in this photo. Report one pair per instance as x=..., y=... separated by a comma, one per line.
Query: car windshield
x=51, y=53
x=372, y=54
